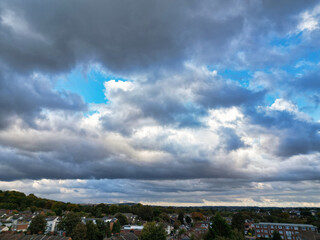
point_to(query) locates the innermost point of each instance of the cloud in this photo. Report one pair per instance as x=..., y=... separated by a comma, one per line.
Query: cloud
x=123, y=35
x=175, y=99
x=293, y=132
x=26, y=97
x=175, y=123
x=197, y=192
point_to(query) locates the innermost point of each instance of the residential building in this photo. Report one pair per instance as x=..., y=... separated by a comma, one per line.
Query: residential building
x=287, y=231
x=52, y=224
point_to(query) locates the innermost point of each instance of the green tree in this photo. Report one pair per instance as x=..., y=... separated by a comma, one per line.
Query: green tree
x=69, y=222
x=101, y=229
x=219, y=228
x=285, y=215
x=108, y=230
x=176, y=224
x=238, y=220
x=181, y=217
x=188, y=220
x=38, y=224
x=145, y=213
x=58, y=208
x=164, y=217
x=116, y=227
x=79, y=232
x=113, y=209
x=181, y=232
x=152, y=231
x=276, y=236
x=237, y=235
x=122, y=219
x=92, y=231
x=33, y=209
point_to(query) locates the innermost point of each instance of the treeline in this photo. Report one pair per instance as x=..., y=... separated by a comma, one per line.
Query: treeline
x=14, y=200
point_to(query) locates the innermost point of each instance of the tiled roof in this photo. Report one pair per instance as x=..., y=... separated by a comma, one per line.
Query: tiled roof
x=10, y=236
x=124, y=236
x=22, y=226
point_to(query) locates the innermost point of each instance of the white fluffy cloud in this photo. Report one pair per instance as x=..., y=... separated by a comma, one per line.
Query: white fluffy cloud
x=214, y=100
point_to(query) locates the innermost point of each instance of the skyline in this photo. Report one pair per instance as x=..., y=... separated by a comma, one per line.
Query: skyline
x=167, y=102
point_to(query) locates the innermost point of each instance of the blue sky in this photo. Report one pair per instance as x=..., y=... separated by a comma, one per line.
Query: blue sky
x=188, y=103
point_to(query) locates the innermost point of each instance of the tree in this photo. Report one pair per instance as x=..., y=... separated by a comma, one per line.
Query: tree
x=116, y=227
x=79, y=232
x=237, y=235
x=181, y=232
x=181, y=218
x=101, y=229
x=38, y=224
x=152, y=231
x=276, y=236
x=108, y=230
x=219, y=228
x=164, y=217
x=122, y=219
x=113, y=209
x=197, y=216
x=176, y=224
x=92, y=231
x=145, y=212
x=238, y=220
x=69, y=222
x=58, y=208
x=285, y=215
x=188, y=220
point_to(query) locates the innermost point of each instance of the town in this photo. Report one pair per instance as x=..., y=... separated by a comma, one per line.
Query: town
x=29, y=217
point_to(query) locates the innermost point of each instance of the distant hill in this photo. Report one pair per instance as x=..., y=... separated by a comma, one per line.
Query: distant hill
x=14, y=200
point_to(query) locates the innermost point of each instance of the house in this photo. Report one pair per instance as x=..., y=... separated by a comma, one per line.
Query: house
x=21, y=227
x=132, y=229
x=52, y=224
x=4, y=229
x=248, y=228
x=288, y=231
x=111, y=221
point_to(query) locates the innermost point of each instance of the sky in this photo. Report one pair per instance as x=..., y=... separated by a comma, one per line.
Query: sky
x=184, y=103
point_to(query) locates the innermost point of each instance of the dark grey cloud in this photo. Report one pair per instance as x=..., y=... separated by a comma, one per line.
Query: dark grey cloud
x=88, y=163
x=221, y=94
x=296, y=135
x=131, y=36
x=230, y=140
x=25, y=97
x=124, y=35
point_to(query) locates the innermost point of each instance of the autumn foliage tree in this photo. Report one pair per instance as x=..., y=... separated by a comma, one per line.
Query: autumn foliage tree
x=197, y=216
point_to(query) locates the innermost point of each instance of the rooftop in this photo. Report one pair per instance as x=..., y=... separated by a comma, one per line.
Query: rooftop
x=286, y=224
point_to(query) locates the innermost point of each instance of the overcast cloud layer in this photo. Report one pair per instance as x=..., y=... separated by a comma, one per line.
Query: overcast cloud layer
x=204, y=102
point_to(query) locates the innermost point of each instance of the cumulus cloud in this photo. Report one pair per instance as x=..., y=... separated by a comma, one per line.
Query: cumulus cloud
x=24, y=97
x=212, y=94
